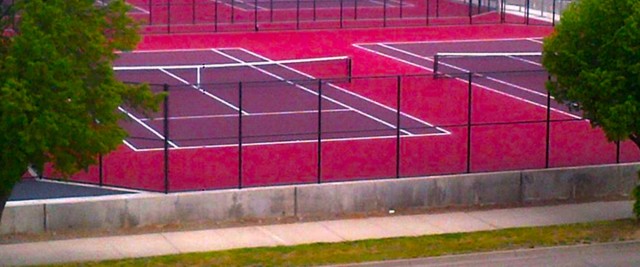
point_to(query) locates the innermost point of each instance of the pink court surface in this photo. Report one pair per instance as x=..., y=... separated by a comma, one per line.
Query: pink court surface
x=359, y=118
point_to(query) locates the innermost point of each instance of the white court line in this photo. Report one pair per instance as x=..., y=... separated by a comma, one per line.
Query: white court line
x=131, y=146
x=250, y=115
x=229, y=4
x=535, y=40
x=460, y=79
x=301, y=141
x=252, y=4
x=381, y=3
x=140, y=9
x=329, y=98
x=356, y=95
x=458, y=41
x=89, y=185
x=146, y=126
x=204, y=92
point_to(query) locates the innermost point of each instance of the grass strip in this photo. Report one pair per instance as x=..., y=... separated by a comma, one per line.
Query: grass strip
x=396, y=248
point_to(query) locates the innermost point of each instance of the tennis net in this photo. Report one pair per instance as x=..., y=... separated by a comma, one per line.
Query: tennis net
x=459, y=63
x=282, y=70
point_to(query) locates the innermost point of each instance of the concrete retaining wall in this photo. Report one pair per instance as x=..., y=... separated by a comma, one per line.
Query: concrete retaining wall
x=322, y=200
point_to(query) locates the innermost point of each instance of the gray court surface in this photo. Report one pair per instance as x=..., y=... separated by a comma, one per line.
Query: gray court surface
x=35, y=189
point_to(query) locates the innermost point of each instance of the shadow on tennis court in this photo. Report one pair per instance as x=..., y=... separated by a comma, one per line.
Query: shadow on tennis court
x=36, y=189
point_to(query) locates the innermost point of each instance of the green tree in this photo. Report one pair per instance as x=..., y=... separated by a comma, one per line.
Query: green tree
x=594, y=55
x=58, y=92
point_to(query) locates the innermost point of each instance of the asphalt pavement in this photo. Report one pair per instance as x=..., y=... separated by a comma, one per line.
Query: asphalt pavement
x=620, y=254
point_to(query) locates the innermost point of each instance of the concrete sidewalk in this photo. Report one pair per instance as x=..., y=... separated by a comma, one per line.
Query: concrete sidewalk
x=117, y=247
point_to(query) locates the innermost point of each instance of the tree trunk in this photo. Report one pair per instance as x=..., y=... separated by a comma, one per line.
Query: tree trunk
x=4, y=197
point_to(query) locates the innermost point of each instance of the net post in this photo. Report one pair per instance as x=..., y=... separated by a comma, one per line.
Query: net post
x=437, y=8
x=255, y=15
x=165, y=125
x=548, y=133
x=436, y=62
x=398, y=124
x=150, y=12
x=193, y=11
x=240, y=135
x=314, y=10
x=401, y=4
x=270, y=10
x=319, y=167
x=469, y=124
x=198, y=77
x=349, y=69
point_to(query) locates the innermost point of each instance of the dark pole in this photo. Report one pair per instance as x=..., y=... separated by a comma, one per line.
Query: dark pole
x=469, y=124
x=401, y=8
x=168, y=16
x=384, y=13
x=355, y=10
x=341, y=14
x=193, y=11
x=618, y=151
x=437, y=8
x=100, y=169
x=548, y=137
x=503, y=11
x=166, y=138
x=526, y=11
x=215, y=16
x=240, y=135
x=470, y=12
x=233, y=8
x=271, y=10
x=398, y=125
x=297, y=14
x=319, y=131
x=553, y=16
x=427, y=15
x=314, y=10
x=150, y=12
x=255, y=15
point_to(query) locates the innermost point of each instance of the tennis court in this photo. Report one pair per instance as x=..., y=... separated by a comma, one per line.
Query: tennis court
x=277, y=100
x=259, y=15
x=512, y=67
